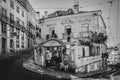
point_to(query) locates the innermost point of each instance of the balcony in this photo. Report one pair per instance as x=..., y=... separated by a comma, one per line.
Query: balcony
x=31, y=25
x=68, y=37
x=84, y=37
x=18, y=25
x=85, y=34
x=65, y=35
x=31, y=35
x=38, y=35
x=4, y=18
x=12, y=22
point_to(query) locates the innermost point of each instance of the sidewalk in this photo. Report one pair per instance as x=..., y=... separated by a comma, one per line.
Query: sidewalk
x=30, y=65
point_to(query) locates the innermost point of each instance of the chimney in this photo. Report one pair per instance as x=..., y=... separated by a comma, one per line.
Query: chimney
x=76, y=6
x=45, y=14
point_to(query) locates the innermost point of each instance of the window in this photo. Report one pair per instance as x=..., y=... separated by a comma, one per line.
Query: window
x=22, y=23
x=51, y=29
x=22, y=44
x=18, y=20
x=22, y=36
x=85, y=27
x=18, y=32
x=18, y=9
x=4, y=28
x=4, y=0
x=11, y=31
x=11, y=18
x=23, y=13
x=83, y=51
x=17, y=44
x=11, y=43
x=85, y=30
x=4, y=12
x=12, y=4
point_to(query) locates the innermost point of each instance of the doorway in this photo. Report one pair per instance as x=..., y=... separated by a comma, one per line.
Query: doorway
x=3, y=45
x=68, y=31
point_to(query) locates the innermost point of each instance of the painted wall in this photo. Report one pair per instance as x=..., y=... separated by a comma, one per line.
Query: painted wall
x=75, y=21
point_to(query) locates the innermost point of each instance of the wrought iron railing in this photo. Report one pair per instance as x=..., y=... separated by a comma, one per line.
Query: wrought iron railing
x=4, y=18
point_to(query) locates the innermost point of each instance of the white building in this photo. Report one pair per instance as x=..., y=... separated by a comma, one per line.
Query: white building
x=18, y=22
x=13, y=25
x=78, y=28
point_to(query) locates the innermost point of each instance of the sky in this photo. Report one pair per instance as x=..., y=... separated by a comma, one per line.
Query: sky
x=108, y=10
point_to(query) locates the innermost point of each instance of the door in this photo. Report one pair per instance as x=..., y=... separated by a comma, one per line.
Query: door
x=3, y=45
x=68, y=31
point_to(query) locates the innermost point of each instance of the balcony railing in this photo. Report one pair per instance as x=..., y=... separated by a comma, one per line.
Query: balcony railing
x=4, y=18
x=65, y=35
x=84, y=34
x=12, y=22
x=31, y=25
x=38, y=35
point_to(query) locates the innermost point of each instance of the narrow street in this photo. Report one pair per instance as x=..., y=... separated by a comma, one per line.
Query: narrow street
x=12, y=69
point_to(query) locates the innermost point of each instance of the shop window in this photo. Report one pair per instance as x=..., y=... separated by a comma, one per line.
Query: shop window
x=4, y=28
x=11, y=4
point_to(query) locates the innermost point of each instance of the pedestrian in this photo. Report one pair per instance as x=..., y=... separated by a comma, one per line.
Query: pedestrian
x=104, y=60
x=48, y=58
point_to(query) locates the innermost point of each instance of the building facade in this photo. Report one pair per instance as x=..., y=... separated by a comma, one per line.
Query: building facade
x=15, y=18
x=33, y=26
x=13, y=26
x=82, y=33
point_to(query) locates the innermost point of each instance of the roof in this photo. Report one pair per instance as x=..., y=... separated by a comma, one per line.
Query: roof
x=65, y=13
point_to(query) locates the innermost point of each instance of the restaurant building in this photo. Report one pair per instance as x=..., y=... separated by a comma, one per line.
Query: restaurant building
x=83, y=35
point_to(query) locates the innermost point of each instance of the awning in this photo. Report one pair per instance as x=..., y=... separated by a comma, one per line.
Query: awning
x=53, y=43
